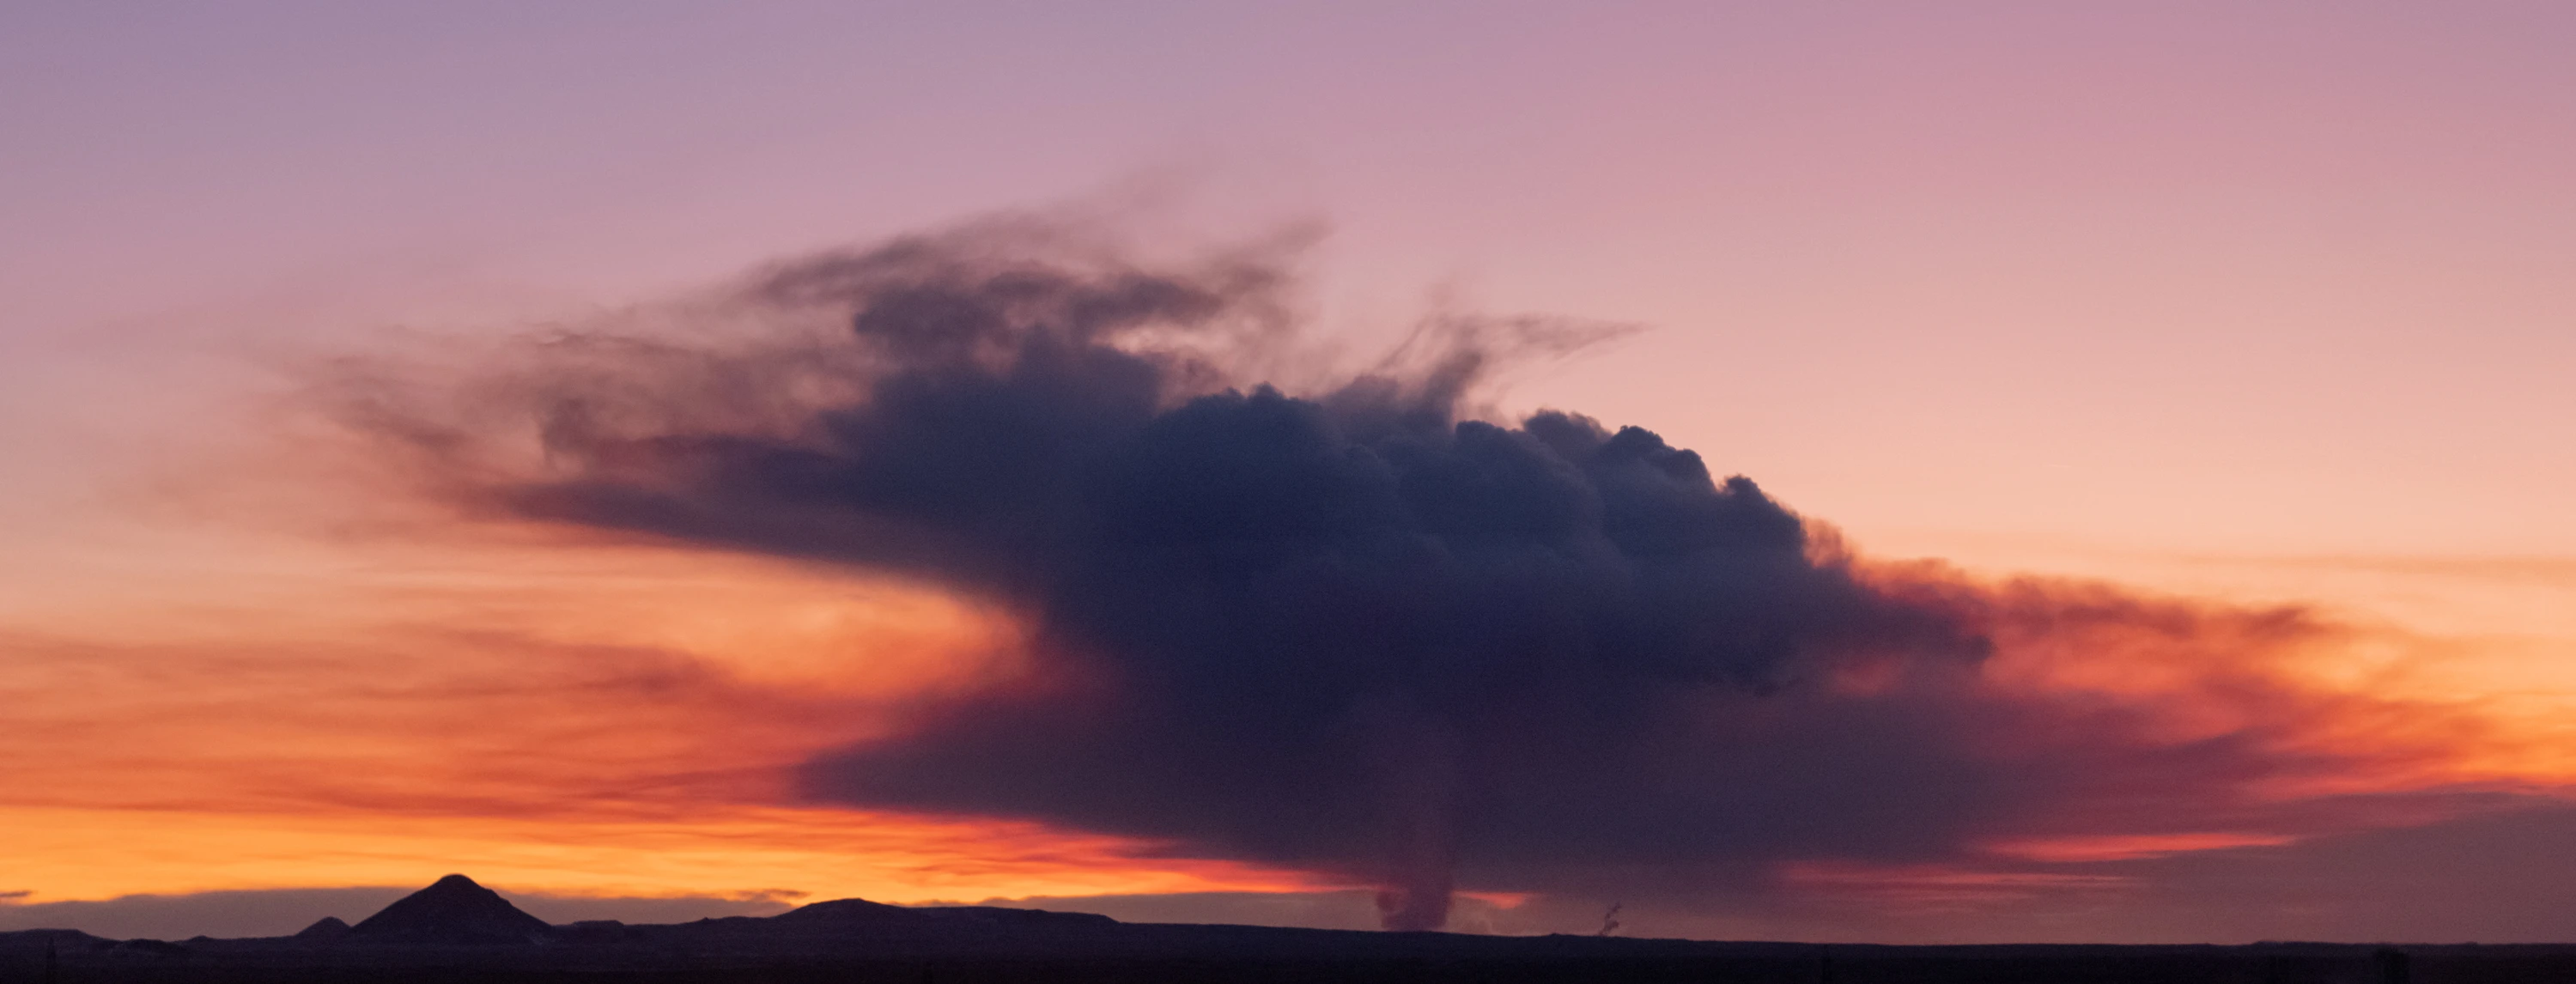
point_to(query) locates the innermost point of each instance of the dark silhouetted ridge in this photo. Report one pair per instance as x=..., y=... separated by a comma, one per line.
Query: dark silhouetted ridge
x=452, y=910
x=856, y=913
x=327, y=928
x=846, y=911
x=988, y=915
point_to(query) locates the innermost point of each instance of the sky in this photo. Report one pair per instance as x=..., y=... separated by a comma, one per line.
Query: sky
x=2204, y=362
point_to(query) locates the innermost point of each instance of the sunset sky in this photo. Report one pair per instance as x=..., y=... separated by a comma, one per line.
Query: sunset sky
x=2209, y=362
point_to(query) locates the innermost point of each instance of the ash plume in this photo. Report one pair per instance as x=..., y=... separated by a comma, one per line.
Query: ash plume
x=1346, y=627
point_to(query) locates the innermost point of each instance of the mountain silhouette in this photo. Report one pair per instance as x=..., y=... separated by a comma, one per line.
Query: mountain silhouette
x=447, y=932
x=452, y=910
x=845, y=911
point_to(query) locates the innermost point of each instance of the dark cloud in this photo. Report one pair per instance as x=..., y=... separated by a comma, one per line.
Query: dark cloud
x=1345, y=628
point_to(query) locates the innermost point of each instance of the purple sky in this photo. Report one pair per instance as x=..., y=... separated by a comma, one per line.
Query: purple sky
x=2252, y=302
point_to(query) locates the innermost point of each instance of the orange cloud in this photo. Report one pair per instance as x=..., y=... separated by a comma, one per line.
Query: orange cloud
x=557, y=716
x=2217, y=725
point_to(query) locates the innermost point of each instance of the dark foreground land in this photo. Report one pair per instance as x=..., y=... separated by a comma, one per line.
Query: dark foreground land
x=1749, y=963
x=458, y=931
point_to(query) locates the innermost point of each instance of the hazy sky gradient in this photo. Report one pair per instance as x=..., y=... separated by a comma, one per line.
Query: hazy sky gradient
x=2250, y=302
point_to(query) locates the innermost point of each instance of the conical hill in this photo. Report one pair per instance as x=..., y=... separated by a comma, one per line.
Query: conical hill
x=451, y=910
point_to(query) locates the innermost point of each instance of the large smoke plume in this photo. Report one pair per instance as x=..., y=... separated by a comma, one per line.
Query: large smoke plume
x=1345, y=626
